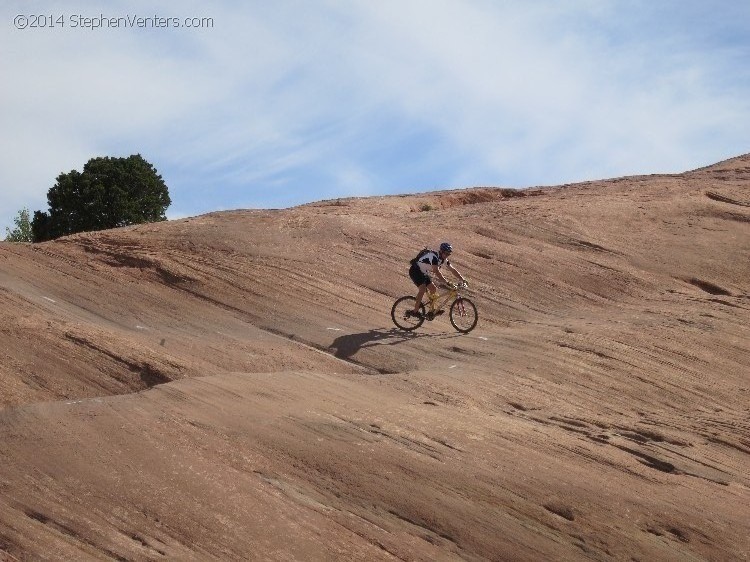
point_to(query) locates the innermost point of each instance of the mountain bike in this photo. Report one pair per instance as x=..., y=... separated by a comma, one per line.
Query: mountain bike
x=462, y=312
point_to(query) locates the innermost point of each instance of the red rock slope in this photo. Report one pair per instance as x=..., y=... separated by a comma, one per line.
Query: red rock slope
x=230, y=386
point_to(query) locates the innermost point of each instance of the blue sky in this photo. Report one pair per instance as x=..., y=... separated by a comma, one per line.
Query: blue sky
x=280, y=103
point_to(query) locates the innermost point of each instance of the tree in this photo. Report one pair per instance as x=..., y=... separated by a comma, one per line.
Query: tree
x=22, y=232
x=110, y=192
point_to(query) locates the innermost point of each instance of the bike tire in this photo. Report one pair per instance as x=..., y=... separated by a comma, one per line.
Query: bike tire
x=464, y=315
x=399, y=310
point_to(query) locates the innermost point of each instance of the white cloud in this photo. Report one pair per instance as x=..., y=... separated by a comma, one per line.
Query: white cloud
x=515, y=85
x=296, y=101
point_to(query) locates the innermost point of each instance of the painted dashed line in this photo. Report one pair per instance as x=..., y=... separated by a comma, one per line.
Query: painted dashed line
x=49, y=299
x=141, y=327
x=452, y=367
x=334, y=329
x=482, y=338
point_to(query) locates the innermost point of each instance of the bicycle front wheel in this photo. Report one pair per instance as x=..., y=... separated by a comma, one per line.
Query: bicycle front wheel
x=400, y=313
x=463, y=315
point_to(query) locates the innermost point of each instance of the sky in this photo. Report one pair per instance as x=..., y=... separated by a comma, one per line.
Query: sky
x=261, y=104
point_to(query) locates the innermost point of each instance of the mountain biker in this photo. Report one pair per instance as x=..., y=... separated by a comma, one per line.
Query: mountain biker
x=428, y=263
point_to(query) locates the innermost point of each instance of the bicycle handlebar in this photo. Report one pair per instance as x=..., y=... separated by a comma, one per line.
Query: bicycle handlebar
x=462, y=285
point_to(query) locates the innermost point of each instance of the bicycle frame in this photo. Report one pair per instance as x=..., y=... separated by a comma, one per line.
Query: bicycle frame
x=435, y=303
x=462, y=311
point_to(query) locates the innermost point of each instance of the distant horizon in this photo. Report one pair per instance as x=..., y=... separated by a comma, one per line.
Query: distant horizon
x=426, y=192
x=468, y=187
x=275, y=106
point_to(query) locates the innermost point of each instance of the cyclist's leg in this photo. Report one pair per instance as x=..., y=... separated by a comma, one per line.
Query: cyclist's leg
x=421, y=281
x=420, y=294
x=432, y=288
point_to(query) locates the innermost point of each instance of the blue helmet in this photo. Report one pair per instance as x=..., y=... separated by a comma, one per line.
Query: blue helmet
x=446, y=247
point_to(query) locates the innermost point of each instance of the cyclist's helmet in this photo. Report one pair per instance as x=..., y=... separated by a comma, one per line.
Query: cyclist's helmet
x=446, y=247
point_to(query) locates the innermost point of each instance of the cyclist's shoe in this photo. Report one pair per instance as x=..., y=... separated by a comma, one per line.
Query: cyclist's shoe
x=430, y=316
x=438, y=312
x=412, y=314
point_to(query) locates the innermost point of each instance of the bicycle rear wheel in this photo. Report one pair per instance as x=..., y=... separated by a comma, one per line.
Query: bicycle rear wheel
x=399, y=315
x=463, y=315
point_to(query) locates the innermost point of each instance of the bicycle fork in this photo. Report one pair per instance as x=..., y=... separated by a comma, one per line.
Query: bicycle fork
x=460, y=307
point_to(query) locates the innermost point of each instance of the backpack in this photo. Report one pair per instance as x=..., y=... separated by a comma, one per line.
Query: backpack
x=421, y=253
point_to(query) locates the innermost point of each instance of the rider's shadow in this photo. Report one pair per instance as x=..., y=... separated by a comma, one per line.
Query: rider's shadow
x=346, y=346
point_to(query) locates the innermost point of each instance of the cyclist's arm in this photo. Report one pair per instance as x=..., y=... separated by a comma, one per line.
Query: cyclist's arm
x=455, y=272
x=439, y=274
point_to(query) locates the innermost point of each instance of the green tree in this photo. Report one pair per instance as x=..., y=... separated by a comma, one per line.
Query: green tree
x=22, y=232
x=108, y=193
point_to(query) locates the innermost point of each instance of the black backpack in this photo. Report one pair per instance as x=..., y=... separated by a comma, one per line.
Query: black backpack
x=421, y=253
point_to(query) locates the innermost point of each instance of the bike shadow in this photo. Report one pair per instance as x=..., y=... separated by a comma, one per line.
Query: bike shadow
x=347, y=345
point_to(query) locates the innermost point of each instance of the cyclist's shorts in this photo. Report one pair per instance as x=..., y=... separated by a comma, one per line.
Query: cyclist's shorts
x=418, y=277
